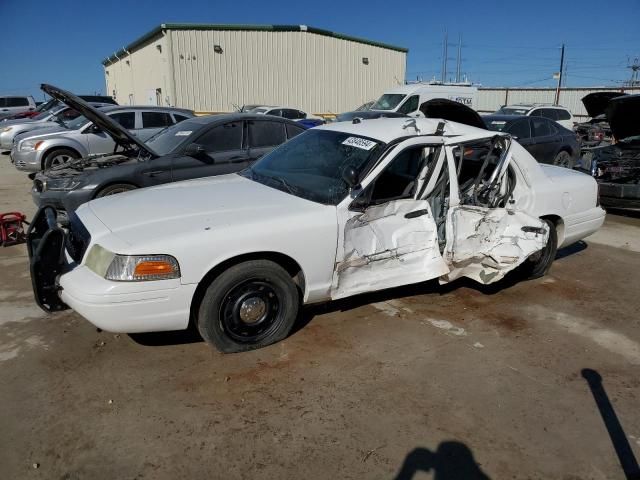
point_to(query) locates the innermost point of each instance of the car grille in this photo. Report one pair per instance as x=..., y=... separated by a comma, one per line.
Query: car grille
x=78, y=238
x=20, y=163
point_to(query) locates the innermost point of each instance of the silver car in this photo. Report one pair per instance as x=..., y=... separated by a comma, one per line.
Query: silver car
x=59, y=115
x=80, y=138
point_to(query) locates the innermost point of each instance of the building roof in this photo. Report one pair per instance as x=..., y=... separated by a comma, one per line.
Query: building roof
x=261, y=28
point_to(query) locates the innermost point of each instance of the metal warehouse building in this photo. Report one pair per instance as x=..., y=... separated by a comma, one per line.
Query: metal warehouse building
x=215, y=68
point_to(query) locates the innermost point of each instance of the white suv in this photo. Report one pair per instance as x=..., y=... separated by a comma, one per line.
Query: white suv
x=556, y=113
x=14, y=104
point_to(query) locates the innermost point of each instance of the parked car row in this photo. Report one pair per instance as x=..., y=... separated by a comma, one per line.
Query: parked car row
x=291, y=217
x=78, y=138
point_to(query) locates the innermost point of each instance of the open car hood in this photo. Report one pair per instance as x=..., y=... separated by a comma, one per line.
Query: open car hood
x=596, y=103
x=452, y=111
x=119, y=134
x=623, y=115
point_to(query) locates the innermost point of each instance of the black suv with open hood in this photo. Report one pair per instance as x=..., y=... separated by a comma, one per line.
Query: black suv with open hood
x=616, y=167
x=196, y=147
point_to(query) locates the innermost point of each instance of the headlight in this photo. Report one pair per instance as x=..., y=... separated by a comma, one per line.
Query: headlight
x=64, y=185
x=5, y=129
x=131, y=268
x=29, y=145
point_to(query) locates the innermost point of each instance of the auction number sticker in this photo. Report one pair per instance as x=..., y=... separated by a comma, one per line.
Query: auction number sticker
x=183, y=133
x=358, y=142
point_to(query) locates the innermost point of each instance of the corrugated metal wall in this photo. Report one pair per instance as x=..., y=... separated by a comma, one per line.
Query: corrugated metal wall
x=491, y=99
x=135, y=82
x=312, y=72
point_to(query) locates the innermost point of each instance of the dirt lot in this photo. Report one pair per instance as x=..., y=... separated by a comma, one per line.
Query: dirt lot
x=461, y=381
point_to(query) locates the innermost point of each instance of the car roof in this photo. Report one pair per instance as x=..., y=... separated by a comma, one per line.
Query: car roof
x=534, y=105
x=506, y=118
x=230, y=117
x=112, y=108
x=388, y=129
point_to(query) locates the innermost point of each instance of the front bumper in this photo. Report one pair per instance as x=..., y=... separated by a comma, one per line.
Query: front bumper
x=60, y=283
x=6, y=140
x=25, y=161
x=127, y=307
x=60, y=199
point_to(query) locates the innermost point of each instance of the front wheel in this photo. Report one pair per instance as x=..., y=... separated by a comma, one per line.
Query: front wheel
x=59, y=157
x=538, y=264
x=114, y=189
x=250, y=305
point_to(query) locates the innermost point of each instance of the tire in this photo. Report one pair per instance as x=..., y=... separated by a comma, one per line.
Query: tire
x=563, y=159
x=115, y=188
x=249, y=306
x=59, y=156
x=538, y=264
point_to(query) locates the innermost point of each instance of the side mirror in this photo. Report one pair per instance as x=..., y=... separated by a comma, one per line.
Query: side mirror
x=350, y=177
x=194, y=150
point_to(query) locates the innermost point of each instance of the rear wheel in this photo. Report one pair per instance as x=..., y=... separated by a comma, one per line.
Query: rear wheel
x=563, y=159
x=115, y=188
x=59, y=157
x=250, y=305
x=538, y=264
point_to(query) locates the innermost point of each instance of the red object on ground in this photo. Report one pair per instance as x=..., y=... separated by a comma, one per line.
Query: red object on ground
x=12, y=230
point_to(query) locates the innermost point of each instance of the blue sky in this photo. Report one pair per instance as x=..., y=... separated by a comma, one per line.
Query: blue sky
x=504, y=43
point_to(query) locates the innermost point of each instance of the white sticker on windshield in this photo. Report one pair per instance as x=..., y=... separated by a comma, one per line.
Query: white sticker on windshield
x=358, y=142
x=183, y=133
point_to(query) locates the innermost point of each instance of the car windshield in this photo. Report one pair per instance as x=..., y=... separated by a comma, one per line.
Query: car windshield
x=167, y=140
x=310, y=166
x=388, y=101
x=43, y=115
x=258, y=110
x=495, y=125
x=43, y=107
x=513, y=111
x=76, y=123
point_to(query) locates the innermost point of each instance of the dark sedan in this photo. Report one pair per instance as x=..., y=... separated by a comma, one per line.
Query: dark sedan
x=197, y=147
x=545, y=139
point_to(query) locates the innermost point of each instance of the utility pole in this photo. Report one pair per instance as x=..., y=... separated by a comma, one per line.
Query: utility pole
x=459, y=58
x=444, y=58
x=560, y=75
x=635, y=68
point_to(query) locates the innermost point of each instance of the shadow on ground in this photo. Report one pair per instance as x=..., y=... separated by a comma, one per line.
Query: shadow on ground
x=618, y=437
x=451, y=461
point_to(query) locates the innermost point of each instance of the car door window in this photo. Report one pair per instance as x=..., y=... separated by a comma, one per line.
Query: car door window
x=126, y=119
x=293, y=130
x=179, y=118
x=398, y=180
x=563, y=114
x=265, y=134
x=519, y=129
x=156, y=120
x=222, y=138
x=17, y=102
x=540, y=127
x=410, y=105
x=276, y=112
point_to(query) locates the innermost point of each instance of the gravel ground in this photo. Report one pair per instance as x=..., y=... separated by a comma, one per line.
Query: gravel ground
x=419, y=382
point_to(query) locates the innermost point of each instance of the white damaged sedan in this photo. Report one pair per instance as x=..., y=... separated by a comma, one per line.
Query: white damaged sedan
x=340, y=210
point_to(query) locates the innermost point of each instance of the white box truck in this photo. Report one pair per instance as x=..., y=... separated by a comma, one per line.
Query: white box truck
x=408, y=98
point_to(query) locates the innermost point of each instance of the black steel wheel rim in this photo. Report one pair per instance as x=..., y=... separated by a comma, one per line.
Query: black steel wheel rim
x=250, y=311
x=542, y=256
